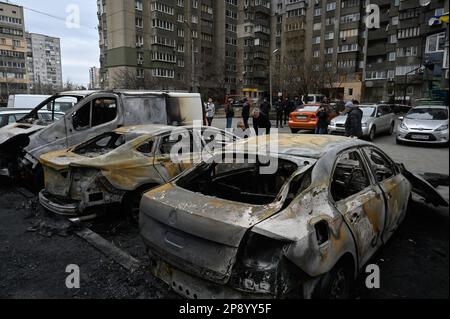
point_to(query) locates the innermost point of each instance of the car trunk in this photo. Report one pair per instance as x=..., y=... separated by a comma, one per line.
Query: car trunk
x=198, y=226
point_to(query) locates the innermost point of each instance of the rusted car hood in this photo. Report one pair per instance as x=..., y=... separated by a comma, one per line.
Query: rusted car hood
x=210, y=218
x=13, y=130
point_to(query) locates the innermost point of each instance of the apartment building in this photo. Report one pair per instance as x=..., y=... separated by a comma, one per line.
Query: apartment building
x=44, y=63
x=94, y=78
x=13, y=50
x=170, y=44
x=407, y=57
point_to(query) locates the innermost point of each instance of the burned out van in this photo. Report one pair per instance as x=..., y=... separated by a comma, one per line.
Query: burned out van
x=98, y=112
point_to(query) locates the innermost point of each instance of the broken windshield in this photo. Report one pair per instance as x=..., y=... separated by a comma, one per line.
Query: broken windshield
x=54, y=104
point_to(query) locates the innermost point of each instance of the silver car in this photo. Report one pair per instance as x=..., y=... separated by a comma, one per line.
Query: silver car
x=377, y=119
x=425, y=124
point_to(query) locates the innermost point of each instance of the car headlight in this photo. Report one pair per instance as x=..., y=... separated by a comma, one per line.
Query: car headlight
x=403, y=126
x=442, y=128
x=365, y=124
x=333, y=123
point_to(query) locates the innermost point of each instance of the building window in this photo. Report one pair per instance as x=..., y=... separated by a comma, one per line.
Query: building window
x=435, y=43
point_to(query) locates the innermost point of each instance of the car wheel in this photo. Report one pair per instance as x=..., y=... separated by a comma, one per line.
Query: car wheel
x=392, y=129
x=372, y=134
x=399, y=142
x=294, y=130
x=337, y=284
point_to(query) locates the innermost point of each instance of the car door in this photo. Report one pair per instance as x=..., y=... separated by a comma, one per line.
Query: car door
x=360, y=201
x=383, y=119
x=396, y=188
x=171, y=149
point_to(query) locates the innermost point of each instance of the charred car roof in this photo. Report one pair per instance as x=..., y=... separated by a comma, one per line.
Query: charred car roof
x=312, y=146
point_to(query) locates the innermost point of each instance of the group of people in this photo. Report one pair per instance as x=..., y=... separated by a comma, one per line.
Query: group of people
x=261, y=115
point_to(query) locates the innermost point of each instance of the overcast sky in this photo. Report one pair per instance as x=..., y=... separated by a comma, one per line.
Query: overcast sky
x=79, y=46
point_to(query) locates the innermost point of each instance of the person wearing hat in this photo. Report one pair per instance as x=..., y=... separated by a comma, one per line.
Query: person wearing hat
x=246, y=112
x=353, y=125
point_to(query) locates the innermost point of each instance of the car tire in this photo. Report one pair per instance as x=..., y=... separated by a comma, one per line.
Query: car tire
x=131, y=203
x=294, y=130
x=336, y=284
x=399, y=142
x=372, y=134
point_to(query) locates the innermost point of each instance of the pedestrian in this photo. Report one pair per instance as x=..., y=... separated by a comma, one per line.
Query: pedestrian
x=298, y=103
x=229, y=113
x=353, y=125
x=246, y=112
x=322, y=120
x=210, y=109
x=288, y=108
x=279, y=107
x=261, y=117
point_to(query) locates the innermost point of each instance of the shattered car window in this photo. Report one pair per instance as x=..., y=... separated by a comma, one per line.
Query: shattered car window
x=103, y=144
x=350, y=177
x=145, y=110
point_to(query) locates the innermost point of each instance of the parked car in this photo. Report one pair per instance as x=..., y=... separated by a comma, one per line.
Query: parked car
x=223, y=230
x=118, y=167
x=305, y=118
x=377, y=119
x=425, y=124
x=313, y=98
x=9, y=116
x=98, y=112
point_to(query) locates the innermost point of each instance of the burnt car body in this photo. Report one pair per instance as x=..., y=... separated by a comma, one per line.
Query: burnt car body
x=101, y=111
x=227, y=231
x=118, y=167
x=16, y=136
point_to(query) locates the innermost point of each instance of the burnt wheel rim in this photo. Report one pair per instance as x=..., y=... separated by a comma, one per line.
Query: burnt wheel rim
x=339, y=286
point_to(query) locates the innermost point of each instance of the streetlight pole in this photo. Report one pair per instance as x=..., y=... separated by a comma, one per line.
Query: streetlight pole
x=270, y=76
x=194, y=90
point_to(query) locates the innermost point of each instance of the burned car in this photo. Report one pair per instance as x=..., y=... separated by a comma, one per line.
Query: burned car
x=98, y=112
x=225, y=229
x=119, y=166
x=16, y=136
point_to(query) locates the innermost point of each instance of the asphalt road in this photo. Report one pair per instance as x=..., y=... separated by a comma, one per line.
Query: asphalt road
x=36, y=247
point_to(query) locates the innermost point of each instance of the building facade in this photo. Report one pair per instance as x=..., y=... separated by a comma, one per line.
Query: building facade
x=407, y=57
x=44, y=63
x=13, y=50
x=94, y=78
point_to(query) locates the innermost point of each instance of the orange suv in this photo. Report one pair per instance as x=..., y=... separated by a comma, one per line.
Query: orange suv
x=305, y=117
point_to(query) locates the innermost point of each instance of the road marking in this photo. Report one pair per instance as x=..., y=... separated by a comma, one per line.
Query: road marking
x=109, y=249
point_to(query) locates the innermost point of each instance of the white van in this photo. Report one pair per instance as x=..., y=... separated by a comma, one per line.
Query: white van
x=30, y=101
x=313, y=98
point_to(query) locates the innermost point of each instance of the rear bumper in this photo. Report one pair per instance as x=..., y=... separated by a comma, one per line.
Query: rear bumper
x=334, y=130
x=302, y=125
x=56, y=206
x=191, y=287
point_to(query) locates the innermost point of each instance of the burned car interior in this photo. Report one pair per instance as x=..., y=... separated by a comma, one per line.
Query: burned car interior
x=103, y=144
x=240, y=182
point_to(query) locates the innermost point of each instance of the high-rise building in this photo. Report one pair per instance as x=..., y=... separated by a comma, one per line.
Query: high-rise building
x=94, y=78
x=44, y=63
x=407, y=57
x=13, y=50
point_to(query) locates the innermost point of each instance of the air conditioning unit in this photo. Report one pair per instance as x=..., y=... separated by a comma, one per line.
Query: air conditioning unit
x=140, y=62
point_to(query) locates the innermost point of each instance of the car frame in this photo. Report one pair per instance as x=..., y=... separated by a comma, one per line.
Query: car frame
x=303, y=244
x=18, y=114
x=118, y=167
x=382, y=121
x=436, y=132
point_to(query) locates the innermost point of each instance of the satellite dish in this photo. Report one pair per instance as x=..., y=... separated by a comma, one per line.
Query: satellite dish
x=424, y=3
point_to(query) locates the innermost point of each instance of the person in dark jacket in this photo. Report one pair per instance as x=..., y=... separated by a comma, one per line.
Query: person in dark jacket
x=322, y=121
x=353, y=125
x=288, y=109
x=279, y=107
x=229, y=113
x=246, y=112
x=263, y=118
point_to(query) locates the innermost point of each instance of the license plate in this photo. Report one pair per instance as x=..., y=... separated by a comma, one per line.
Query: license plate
x=302, y=117
x=420, y=137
